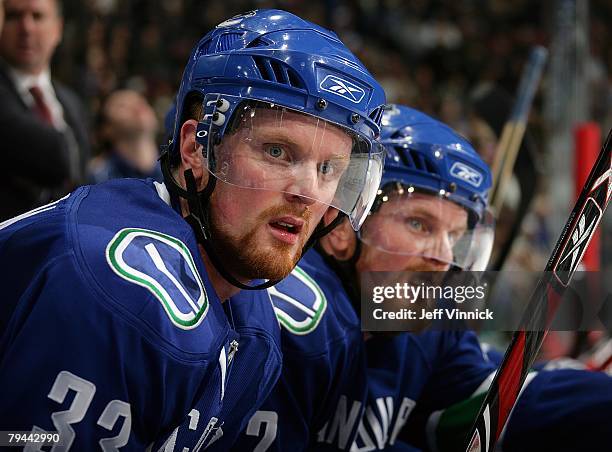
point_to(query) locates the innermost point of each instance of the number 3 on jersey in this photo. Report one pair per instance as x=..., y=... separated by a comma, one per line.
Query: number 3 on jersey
x=84, y=393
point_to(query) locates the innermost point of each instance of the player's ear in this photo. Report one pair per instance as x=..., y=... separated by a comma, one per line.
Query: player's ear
x=341, y=241
x=191, y=151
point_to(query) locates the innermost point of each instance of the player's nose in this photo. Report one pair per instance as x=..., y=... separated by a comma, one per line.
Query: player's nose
x=303, y=186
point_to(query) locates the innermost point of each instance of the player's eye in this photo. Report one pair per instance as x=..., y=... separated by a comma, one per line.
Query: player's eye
x=327, y=168
x=332, y=169
x=275, y=150
x=416, y=225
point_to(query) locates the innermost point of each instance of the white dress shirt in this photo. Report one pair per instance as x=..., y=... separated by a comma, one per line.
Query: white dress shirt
x=24, y=82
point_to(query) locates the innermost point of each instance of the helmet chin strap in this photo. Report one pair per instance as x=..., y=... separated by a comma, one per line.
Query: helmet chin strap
x=321, y=230
x=199, y=220
x=346, y=270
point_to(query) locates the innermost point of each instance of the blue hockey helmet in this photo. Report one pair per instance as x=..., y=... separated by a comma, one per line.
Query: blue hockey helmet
x=444, y=184
x=266, y=66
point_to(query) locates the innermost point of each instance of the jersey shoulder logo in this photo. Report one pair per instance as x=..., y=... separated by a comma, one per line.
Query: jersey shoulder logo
x=466, y=173
x=299, y=302
x=164, y=266
x=343, y=88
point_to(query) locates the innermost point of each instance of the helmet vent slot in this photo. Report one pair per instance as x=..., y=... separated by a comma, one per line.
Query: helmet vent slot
x=416, y=160
x=265, y=69
x=404, y=132
x=259, y=42
x=431, y=168
x=294, y=79
x=277, y=72
x=223, y=43
x=405, y=157
x=205, y=47
x=227, y=41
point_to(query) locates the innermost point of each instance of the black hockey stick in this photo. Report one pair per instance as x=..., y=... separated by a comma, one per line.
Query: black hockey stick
x=526, y=342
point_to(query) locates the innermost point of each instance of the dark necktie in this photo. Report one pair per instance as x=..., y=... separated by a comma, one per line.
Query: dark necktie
x=40, y=108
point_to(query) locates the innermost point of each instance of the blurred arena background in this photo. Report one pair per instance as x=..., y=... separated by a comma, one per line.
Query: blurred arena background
x=460, y=61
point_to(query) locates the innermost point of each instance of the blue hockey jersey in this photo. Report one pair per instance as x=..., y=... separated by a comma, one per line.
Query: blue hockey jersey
x=562, y=410
x=329, y=396
x=415, y=380
x=384, y=396
x=322, y=360
x=559, y=408
x=430, y=370
x=111, y=333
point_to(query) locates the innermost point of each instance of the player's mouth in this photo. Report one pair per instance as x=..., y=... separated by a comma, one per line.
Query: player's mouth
x=26, y=47
x=287, y=229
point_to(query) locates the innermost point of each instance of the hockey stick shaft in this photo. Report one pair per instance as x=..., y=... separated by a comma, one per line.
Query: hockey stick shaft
x=606, y=362
x=603, y=366
x=526, y=343
x=514, y=129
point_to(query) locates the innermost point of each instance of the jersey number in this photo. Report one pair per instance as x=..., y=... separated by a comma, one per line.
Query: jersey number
x=270, y=421
x=63, y=420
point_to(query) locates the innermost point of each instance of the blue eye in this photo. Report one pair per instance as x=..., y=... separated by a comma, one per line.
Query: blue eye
x=275, y=150
x=415, y=224
x=326, y=167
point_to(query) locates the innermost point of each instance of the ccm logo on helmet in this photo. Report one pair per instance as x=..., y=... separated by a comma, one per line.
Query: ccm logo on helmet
x=342, y=88
x=466, y=173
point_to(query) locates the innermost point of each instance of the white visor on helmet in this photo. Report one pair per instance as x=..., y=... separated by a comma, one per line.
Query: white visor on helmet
x=267, y=147
x=431, y=226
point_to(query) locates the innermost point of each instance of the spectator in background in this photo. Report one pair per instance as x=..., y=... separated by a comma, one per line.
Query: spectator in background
x=127, y=133
x=42, y=130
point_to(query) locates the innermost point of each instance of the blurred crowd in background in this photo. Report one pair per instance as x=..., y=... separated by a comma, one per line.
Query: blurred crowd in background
x=124, y=60
x=428, y=54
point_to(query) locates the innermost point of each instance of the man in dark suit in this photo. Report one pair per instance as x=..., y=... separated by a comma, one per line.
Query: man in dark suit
x=43, y=138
